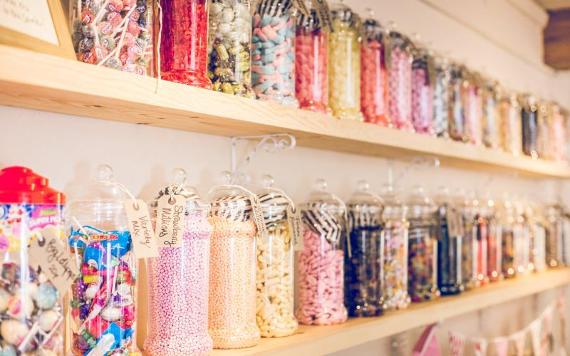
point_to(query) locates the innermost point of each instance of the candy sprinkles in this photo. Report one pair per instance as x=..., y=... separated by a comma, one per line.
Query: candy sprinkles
x=273, y=55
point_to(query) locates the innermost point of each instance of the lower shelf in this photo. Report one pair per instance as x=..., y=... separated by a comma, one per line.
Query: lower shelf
x=319, y=340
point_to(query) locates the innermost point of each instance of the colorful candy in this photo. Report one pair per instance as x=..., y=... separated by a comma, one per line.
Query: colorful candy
x=469, y=244
x=473, y=109
x=529, y=115
x=441, y=97
x=511, y=125
x=422, y=91
x=400, y=81
x=557, y=134
x=450, y=237
x=491, y=122
x=457, y=109
x=494, y=237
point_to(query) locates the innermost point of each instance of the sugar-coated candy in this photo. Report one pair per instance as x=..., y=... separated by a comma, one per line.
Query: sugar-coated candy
x=399, y=82
x=48, y=320
x=46, y=296
x=13, y=331
x=422, y=272
x=20, y=306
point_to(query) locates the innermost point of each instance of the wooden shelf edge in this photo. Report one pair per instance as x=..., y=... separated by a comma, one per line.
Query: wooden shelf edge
x=48, y=83
x=319, y=340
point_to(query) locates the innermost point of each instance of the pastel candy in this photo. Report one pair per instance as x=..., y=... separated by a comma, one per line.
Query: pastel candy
x=422, y=99
x=399, y=89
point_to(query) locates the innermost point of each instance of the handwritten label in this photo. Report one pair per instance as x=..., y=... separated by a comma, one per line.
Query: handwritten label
x=294, y=218
x=141, y=230
x=170, y=220
x=32, y=18
x=53, y=257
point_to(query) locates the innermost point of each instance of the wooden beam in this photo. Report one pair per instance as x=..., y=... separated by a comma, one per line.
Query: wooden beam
x=557, y=40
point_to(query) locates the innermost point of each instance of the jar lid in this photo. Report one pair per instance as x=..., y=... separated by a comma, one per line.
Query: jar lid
x=394, y=208
x=179, y=187
x=274, y=202
x=22, y=185
x=340, y=11
x=364, y=199
x=321, y=199
x=372, y=28
x=419, y=203
x=102, y=188
x=231, y=201
x=312, y=21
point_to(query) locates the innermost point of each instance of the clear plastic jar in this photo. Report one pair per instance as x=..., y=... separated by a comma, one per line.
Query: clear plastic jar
x=102, y=298
x=311, y=63
x=469, y=244
x=178, y=279
x=184, y=42
x=494, y=237
x=422, y=91
x=511, y=125
x=457, y=109
x=473, y=105
x=507, y=222
x=554, y=236
x=273, y=52
x=529, y=116
x=229, y=47
x=557, y=134
x=233, y=262
x=490, y=94
x=32, y=316
x=374, y=76
x=321, y=261
x=399, y=67
x=275, y=254
x=363, y=261
x=114, y=33
x=441, y=97
x=344, y=63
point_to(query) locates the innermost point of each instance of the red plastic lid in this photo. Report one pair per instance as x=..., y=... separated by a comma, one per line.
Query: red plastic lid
x=22, y=185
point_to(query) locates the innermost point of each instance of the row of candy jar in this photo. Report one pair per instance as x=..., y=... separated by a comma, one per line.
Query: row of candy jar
x=511, y=124
x=473, y=108
x=441, y=97
x=557, y=134
x=344, y=63
x=537, y=226
x=449, y=240
x=399, y=65
x=311, y=63
x=184, y=42
x=229, y=47
x=232, y=292
x=363, y=258
x=494, y=240
x=422, y=91
x=102, y=297
x=507, y=221
x=456, y=115
x=543, y=140
x=554, y=236
x=481, y=229
x=469, y=243
x=273, y=51
x=395, y=241
x=491, y=123
x=178, y=278
x=31, y=310
x=114, y=33
x=275, y=289
x=321, y=261
x=529, y=117
x=374, y=77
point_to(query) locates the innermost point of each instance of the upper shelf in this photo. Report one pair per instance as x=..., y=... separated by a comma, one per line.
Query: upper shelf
x=49, y=83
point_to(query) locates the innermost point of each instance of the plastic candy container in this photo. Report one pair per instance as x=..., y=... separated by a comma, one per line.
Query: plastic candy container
x=457, y=87
x=374, y=77
x=344, y=63
x=494, y=253
x=102, y=298
x=311, y=63
x=529, y=115
x=363, y=261
x=232, y=298
x=557, y=134
x=422, y=91
x=490, y=100
x=114, y=33
x=273, y=55
x=473, y=107
x=229, y=47
x=422, y=247
x=450, y=237
x=31, y=314
x=441, y=98
x=469, y=243
x=554, y=236
x=511, y=125
x=321, y=261
x=400, y=81
x=481, y=238
x=275, y=289
x=507, y=222
x=184, y=42
x=178, y=279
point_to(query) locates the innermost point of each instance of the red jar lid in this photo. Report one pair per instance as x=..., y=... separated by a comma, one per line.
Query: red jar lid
x=22, y=185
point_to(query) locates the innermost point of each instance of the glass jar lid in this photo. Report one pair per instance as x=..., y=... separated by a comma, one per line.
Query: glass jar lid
x=231, y=201
x=321, y=199
x=180, y=187
x=364, y=201
x=371, y=27
x=343, y=13
x=102, y=188
x=394, y=208
x=275, y=204
x=420, y=205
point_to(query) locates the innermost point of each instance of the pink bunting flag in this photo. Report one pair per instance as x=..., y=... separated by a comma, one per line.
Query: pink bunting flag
x=427, y=344
x=501, y=346
x=456, y=344
x=479, y=347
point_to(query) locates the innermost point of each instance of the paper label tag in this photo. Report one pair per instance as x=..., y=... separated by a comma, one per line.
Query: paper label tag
x=324, y=14
x=140, y=226
x=294, y=218
x=54, y=258
x=170, y=220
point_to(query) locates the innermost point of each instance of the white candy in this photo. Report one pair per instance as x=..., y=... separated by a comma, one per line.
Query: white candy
x=225, y=28
x=4, y=298
x=48, y=320
x=13, y=331
x=216, y=8
x=227, y=15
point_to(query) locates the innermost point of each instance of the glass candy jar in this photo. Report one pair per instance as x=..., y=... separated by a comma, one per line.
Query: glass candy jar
x=457, y=85
x=184, y=42
x=543, y=119
x=363, y=260
x=31, y=313
x=374, y=77
x=275, y=256
x=529, y=116
x=507, y=220
x=557, y=133
x=511, y=124
x=481, y=231
x=344, y=63
x=273, y=51
x=521, y=232
x=490, y=118
x=441, y=97
x=311, y=63
x=537, y=226
x=554, y=236
x=114, y=33
x=233, y=262
x=473, y=107
x=422, y=248
x=178, y=278
x=422, y=91
x=399, y=66
x=229, y=47
x=102, y=298
x=321, y=261
x=494, y=237
x=469, y=243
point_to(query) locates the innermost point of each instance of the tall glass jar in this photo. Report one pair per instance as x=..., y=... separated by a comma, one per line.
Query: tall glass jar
x=395, y=240
x=537, y=226
x=494, y=240
x=511, y=125
x=344, y=65
x=422, y=248
x=457, y=109
x=184, y=42
x=179, y=276
x=374, y=76
x=481, y=239
x=529, y=117
x=273, y=51
x=543, y=119
x=275, y=256
x=229, y=47
x=422, y=91
x=565, y=237
x=521, y=231
x=554, y=236
x=364, y=258
x=507, y=222
x=441, y=97
x=449, y=241
x=469, y=246
x=114, y=33
x=557, y=133
x=321, y=261
x=473, y=108
x=232, y=295
x=32, y=316
x=490, y=94
x=311, y=63
x=399, y=65
x=102, y=298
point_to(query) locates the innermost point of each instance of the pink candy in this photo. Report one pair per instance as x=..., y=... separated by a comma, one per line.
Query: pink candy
x=422, y=101
x=399, y=90
x=311, y=57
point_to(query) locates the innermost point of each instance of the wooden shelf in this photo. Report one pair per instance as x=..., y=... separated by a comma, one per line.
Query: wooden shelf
x=320, y=340
x=48, y=83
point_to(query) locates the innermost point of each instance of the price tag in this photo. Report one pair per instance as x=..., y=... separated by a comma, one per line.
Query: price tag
x=140, y=226
x=294, y=217
x=170, y=220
